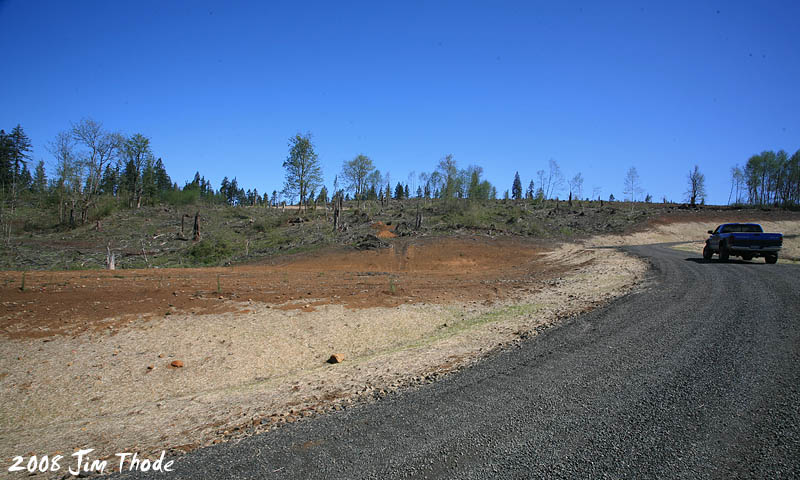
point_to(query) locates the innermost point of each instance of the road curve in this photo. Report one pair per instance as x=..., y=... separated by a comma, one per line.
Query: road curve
x=697, y=374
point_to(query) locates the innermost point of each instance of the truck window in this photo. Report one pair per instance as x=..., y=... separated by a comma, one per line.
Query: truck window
x=752, y=229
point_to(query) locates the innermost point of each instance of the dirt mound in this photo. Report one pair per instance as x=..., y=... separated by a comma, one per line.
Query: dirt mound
x=384, y=230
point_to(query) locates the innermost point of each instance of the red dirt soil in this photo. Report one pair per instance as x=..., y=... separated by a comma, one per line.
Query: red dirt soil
x=422, y=270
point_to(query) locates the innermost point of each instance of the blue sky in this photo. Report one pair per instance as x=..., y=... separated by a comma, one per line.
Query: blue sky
x=219, y=87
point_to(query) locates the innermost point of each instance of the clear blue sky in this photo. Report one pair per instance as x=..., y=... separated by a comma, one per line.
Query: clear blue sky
x=219, y=87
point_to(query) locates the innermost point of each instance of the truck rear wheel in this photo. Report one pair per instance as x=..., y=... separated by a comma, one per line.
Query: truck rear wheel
x=724, y=254
x=747, y=256
x=771, y=259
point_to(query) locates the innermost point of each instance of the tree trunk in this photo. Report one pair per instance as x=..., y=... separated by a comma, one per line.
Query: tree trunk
x=196, y=228
x=110, y=263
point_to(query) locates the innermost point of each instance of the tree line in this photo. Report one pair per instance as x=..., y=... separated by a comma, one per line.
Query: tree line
x=768, y=178
x=93, y=166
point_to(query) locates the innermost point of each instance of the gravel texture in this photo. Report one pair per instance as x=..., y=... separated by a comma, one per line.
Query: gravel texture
x=697, y=374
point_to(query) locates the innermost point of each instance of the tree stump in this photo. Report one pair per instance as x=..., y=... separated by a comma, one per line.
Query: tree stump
x=196, y=228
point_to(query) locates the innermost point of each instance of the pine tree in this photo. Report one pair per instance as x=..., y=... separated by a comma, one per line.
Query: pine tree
x=224, y=189
x=39, y=179
x=6, y=168
x=323, y=195
x=25, y=181
x=20, y=148
x=516, y=188
x=109, y=182
x=149, y=189
x=162, y=180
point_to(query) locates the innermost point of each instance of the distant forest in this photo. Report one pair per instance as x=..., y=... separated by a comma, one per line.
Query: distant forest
x=94, y=171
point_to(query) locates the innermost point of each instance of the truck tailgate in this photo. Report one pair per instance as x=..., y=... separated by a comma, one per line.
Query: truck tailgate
x=759, y=240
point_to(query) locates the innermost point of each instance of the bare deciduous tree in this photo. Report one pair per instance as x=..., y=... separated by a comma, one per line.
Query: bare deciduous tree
x=633, y=187
x=576, y=186
x=137, y=153
x=696, y=189
x=101, y=147
x=68, y=182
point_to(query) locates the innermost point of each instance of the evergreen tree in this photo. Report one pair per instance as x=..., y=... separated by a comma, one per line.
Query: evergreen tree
x=323, y=195
x=162, y=180
x=398, y=191
x=109, y=182
x=224, y=189
x=130, y=179
x=39, y=179
x=516, y=188
x=6, y=162
x=20, y=147
x=529, y=193
x=25, y=181
x=149, y=188
x=406, y=192
x=232, y=193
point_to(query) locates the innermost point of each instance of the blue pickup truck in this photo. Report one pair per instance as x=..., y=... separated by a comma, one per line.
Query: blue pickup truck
x=746, y=240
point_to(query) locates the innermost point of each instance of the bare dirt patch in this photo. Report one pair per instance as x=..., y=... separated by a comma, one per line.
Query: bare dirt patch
x=417, y=271
x=88, y=359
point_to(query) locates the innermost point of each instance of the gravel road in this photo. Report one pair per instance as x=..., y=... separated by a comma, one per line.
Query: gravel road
x=697, y=374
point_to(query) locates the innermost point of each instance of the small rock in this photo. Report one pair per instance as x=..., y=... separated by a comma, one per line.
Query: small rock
x=336, y=358
x=176, y=364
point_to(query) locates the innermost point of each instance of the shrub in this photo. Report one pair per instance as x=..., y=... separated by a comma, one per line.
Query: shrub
x=105, y=207
x=181, y=197
x=267, y=223
x=208, y=252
